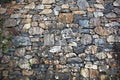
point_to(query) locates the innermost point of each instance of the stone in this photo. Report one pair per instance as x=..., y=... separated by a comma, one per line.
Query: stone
x=73, y=44
x=84, y=23
x=36, y=18
x=10, y=23
x=3, y=10
x=74, y=60
x=27, y=72
x=49, y=39
x=90, y=9
x=46, y=11
x=98, y=14
x=26, y=21
x=116, y=3
x=91, y=49
x=101, y=55
x=40, y=6
x=24, y=64
x=95, y=21
x=69, y=55
x=5, y=73
x=15, y=16
x=34, y=61
x=100, y=6
x=55, y=49
x=30, y=6
x=94, y=73
x=86, y=39
x=111, y=24
x=99, y=1
x=79, y=12
x=5, y=59
x=20, y=52
x=117, y=10
x=84, y=72
x=66, y=33
x=35, y=31
x=65, y=6
x=21, y=41
x=34, y=24
x=111, y=15
x=91, y=66
x=26, y=26
x=111, y=39
x=102, y=31
x=27, y=16
x=68, y=49
x=82, y=4
x=66, y=18
x=48, y=2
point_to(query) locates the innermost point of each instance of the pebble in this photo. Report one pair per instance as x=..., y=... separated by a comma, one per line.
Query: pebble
x=86, y=39
x=111, y=15
x=116, y=3
x=35, y=31
x=55, y=49
x=82, y=4
x=27, y=26
x=101, y=55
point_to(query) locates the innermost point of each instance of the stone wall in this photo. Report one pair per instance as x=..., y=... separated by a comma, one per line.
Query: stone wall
x=61, y=40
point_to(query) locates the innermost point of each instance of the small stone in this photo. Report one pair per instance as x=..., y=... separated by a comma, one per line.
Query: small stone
x=46, y=11
x=93, y=73
x=111, y=39
x=117, y=10
x=55, y=49
x=2, y=10
x=10, y=23
x=27, y=72
x=99, y=1
x=48, y=2
x=26, y=21
x=43, y=25
x=112, y=24
x=82, y=4
x=28, y=56
x=79, y=12
x=70, y=55
x=116, y=3
x=102, y=31
x=24, y=64
x=98, y=14
x=49, y=39
x=74, y=60
x=20, y=52
x=91, y=9
x=73, y=44
x=5, y=59
x=67, y=33
x=27, y=16
x=95, y=21
x=15, y=16
x=86, y=39
x=101, y=55
x=34, y=61
x=111, y=15
x=36, y=18
x=91, y=66
x=68, y=49
x=40, y=6
x=26, y=26
x=5, y=73
x=100, y=6
x=34, y=24
x=30, y=6
x=84, y=23
x=91, y=49
x=84, y=72
x=65, y=6
x=66, y=18
x=47, y=6
x=35, y=31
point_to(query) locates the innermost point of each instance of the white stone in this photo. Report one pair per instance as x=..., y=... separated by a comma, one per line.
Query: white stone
x=73, y=44
x=40, y=6
x=46, y=11
x=111, y=39
x=15, y=16
x=55, y=49
x=27, y=26
x=98, y=14
x=100, y=6
x=84, y=72
x=65, y=6
x=48, y=1
x=70, y=55
x=101, y=55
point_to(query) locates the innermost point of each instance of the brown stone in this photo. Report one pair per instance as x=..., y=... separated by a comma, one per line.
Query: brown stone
x=27, y=72
x=92, y=49
x=102, y=31
x=48, y=1
x=91, y=9
x=79, y=12
x=2, y=10
x=93, y=73
x=66, y=18
x=46, y=11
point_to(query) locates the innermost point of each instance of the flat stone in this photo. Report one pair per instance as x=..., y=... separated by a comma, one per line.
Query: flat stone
x=2, y=10
x=84, y=23
x=74, y=60
x=21, y=41
x=10, y=23
x=46, y=11
x=49, y=39
x=65, y=6
x=98, y=14
x=116, y=3
x=70, y=55
x=102, y=31
x=15, y=16
x=27, y=72
x=86, y=39
x=40, y=6
x=99, y=1
x=26, y=26
x=48, y=2
x=82, y=4
x=111, y=15
x=66, y=18
x=26, y=21
x=35, y=31
x=20, y=52
x=117, y=10
x=112, y=24
x=55, y=49
x=100, y=6
x=30, y=6
x=79, y=12
x=101, y=55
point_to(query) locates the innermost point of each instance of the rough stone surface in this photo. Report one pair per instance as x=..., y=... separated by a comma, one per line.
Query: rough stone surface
x=10, y=23
x=35, y=30
x=86, y=39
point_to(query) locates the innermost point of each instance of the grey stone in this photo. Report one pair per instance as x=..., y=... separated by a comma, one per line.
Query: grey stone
x=35, y=31
x=10, y=23
x=67, y=33
x=74, y=60
x=116, y=3
x=84, y=23
x=111, y=24
x=117, y=10
x=49, y=39
x=98, y=14
x=83, y=4
x=15, y=16
x=95, y=22
x=111, y=15
x=40, y=6
x=86, y=39
x=36, y=18
x=101, y=55
x=20, y=52
x=21, y=41
x=55, y=49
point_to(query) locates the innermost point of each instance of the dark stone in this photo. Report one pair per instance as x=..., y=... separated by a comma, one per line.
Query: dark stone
x=79, y=49
x=74, y=60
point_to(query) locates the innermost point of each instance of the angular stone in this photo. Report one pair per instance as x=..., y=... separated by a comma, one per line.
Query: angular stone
x=100, y=6
x=43, y=25
x=99, y=1
x=27, y=72
x=66, y=18
x=84, y=23
x=35, y=31
x=111, y=39
x=34, y=24
x=55, y=49
x=40, y=6
x=94, y=73
x=48, y=1
x=82, y=4
x=46, y=11
x=10, y=23
x=24, y=64
x=91, y=49
x=101, y=55
x=26, y=26
x=86, y=39
x=79, y=12
x=2, y=10
x=66, y=33
x=15, y=16
x=49, y=39
x=116, y=3
x=65, y=6
x=36, y=18
x=21, y=41
x=84, y=72
x=111, y=15
x=20, y=52
x=5, y=59
x=30, y=6
x=95, y=21
x=34, y=61
x=98, y=14
x=26, y=21
x=102, y=31
x=70, y=55
x=117, y=10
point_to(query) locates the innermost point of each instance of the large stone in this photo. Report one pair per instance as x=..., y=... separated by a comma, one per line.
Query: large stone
x=49, y=39
x=35, y=31
x=86, y=39
x=116, y=3
x=66, y=18
x=102, y=31
x=48, y=1
x=21, y=41
x=82, y=4
x=10, y=22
